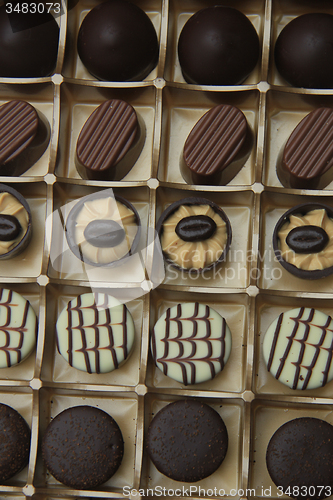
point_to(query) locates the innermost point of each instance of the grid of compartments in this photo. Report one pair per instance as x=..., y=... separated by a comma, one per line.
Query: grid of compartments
x=249, y=290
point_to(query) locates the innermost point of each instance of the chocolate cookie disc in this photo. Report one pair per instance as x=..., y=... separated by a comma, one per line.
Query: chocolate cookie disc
x=117, y=42
x=24, y=137
x=83, y=447
x=218, y=46
x=14, y=442
x=307, y=159
x=300, y=457
x=110, y=141
x=187, y=440
x=304, y=51
x=28, y=43
x=217, y=147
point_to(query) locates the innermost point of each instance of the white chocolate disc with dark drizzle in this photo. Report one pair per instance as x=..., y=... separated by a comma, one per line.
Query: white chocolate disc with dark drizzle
x=18, y=328
x=298, y=348
x=95, y=333
x=191, y=343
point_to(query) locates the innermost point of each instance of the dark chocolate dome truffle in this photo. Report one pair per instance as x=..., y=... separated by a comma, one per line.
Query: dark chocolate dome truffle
x=218, y=46
x=187, y=440
x=304, y=51
x=28, y=44
x=83, y=447
x=300, y=454
x=14, y=442
x=118, y=42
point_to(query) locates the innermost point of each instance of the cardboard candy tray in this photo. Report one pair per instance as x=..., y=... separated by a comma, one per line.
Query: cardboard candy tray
x=250, y=289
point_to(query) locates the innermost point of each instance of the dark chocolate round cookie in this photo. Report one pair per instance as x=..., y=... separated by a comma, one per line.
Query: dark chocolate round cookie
x=83, y=447
x=187, y=440
x=300, y=456
x=14, y=442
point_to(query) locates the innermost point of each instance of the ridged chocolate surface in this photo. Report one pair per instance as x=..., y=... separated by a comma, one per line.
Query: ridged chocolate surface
x=215, y=140
x=309, y=150
x=18, y=127
x=107, y=135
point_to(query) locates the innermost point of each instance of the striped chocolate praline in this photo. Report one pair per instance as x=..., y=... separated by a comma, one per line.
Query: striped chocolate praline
x=110, y=141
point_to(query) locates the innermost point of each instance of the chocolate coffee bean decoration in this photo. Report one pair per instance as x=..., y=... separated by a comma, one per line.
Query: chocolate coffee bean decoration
x=104, y=233
x=195, y=228
x=307, y=239
x=9, y=227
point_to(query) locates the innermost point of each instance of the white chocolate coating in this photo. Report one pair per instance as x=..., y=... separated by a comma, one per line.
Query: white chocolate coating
x=298, y=348
x=193, y=254
x=191, y=343
x=10, y=205
x=95, y=333
x=18, y=328
x=311, y=261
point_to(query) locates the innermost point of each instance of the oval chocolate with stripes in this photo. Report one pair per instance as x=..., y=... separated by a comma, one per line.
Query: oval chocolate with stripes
x=18, y=128
x=95, y=333
x=109, y=142
x=196, y=228
x=104, y=233
x=298, y=348
x=217, y=147
x=307, y=160
x=307, y=239
x=10, y=227
x=191, y=343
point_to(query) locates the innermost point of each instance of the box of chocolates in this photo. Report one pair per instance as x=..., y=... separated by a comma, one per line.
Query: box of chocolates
x=166, y=262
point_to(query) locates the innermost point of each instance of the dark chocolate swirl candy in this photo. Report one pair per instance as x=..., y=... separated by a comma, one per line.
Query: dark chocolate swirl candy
x=9, y=227
x=307, y=239
x=104, y=233
x=195, y=228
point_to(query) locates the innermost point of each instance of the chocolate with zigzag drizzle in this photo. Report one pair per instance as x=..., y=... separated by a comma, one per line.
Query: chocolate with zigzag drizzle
x=95, y=333
x=18, y=328
x=191, y=343
x=298, y=348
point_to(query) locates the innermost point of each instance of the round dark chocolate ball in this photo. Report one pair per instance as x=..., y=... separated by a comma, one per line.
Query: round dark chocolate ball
x=304, y=51
x=300, y=457
x=117, y=42
x=218, y=46
x=28, y=44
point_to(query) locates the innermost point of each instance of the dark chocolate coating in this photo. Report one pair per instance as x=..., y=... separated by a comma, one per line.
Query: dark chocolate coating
x=104, y=233
x=303, y=209
x=28, y=44
x=118, y=42
x=307, y=239
x=304, y=51
x=196, y=228
x=300, y=453
x=83, y=447
x=187, y=440
x=307, y=158
x=9, y=227
x=218, y=46
x=14, y=442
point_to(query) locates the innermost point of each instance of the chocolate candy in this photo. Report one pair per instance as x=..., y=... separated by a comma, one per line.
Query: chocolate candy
x=118, y=42
x=307, y=239
x=110, y=141
x=304, y=51
x=24, y=136
x=204, y=245
x=15, y=223
x=307, y=160
x=89, y=224
x=298, y=348
x=218, y=46
x=191, y=343
x=14, y=442
x=95, y=333
x=187, y=440
x=83, y=447
x=306, y=442
x=28, y=44
x=217, y=147
x=302, y=258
